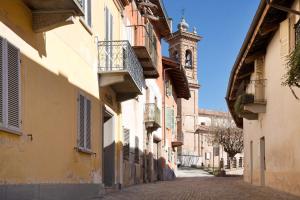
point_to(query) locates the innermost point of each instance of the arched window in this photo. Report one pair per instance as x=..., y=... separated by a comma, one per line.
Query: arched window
x=176, y=55
x=188, y=59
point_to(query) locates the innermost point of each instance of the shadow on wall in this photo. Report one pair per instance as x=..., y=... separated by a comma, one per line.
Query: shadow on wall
x=49, y=111
x=144, y=168
x=19, y=20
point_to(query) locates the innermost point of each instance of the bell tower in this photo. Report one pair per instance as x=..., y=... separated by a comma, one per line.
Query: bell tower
x=183, y=47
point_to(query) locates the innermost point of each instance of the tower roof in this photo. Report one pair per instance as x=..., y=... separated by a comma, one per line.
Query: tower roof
x=183, y=25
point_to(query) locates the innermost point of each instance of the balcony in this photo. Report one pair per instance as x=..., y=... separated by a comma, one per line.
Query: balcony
x=120, y=69
x=152, y=117
x=177, y=140
x=145, y=49
x=50, y=14
x=257, y=104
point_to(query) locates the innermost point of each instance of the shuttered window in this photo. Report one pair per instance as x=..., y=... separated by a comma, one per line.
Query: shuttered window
x=9, y=86
x=87, y=8
x=170, y=118
x=84, y=123
x=126, y=150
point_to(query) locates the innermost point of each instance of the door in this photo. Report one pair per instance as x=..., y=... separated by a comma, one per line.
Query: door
x=251, y=161
x=108, y=149
x=155, y=159
x=262, y=161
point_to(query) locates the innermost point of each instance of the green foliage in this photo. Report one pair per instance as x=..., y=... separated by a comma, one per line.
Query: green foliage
x=292, y=76
x=240, y=103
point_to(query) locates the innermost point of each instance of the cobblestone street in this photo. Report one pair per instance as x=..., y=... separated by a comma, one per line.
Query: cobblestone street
x=201, y=186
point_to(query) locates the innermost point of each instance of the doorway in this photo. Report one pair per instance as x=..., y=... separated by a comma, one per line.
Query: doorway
x=108, y=149
x=262, y=161
x=251, y=162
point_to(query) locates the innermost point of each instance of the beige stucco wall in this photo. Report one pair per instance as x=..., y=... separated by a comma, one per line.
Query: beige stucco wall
x=280, y=127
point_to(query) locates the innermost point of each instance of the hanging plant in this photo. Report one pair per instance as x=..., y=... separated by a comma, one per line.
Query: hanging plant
x=292, y=76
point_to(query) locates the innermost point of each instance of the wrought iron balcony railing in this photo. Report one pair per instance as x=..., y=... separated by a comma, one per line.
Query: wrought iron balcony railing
x=152, y=116
x=118, y=56
x=145, y=48
x=178, y=140
x=257, y=89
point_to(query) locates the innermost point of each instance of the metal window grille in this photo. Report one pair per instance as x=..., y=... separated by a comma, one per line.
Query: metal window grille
x=84, y=123
x=10, y=117
x=126, y=147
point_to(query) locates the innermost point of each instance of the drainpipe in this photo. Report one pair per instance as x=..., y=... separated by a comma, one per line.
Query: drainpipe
x=282, y=8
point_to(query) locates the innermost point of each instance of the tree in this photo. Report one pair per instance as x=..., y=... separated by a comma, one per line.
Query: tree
x=223, y=131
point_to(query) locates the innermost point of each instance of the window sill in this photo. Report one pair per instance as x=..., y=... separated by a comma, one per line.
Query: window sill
x=85, y=151
x=86, y=26
x=9, y=131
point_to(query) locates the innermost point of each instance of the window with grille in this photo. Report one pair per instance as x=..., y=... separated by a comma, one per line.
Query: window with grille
x=9, y=86
x=126, y=150
x=84, y=123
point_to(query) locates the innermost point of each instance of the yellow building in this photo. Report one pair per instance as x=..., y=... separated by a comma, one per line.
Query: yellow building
x=60, y=96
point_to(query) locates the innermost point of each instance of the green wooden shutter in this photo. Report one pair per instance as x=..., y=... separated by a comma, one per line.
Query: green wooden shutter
x=13, y=88
x=88, y=125
x=81, y=120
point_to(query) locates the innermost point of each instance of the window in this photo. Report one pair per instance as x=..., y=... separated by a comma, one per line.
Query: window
x=87, y=9
x=176, y=55
x=126, y=150
x=188, y=59
x=170, y=118
x=207, y=155
x=84, y=123
x=169, y=88
x=108, y=37
x=9, y=86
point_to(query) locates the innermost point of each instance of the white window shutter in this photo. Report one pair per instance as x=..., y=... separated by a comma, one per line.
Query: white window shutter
x=1, y=79
x=13, y=89
x=284, y=39
x=81, y=122
x=88, y=124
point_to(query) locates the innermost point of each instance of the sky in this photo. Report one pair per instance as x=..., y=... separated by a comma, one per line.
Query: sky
x=223, y=26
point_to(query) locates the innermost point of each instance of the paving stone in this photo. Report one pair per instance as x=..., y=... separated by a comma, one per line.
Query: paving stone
x=202, y=187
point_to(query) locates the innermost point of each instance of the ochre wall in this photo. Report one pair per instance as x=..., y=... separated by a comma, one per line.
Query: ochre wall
x=55, y=66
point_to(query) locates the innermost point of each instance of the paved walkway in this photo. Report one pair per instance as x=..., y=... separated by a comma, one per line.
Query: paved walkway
x=198, y=185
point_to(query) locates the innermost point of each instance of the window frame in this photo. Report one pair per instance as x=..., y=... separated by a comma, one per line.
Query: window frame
x=188, y=51
x=4, y=126
x=87, y=10
x=84, y=148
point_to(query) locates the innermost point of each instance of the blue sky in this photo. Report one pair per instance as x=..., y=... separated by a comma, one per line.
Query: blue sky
x=223, y=26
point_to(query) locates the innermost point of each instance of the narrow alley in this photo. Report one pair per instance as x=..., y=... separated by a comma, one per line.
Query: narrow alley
x=197, y=185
